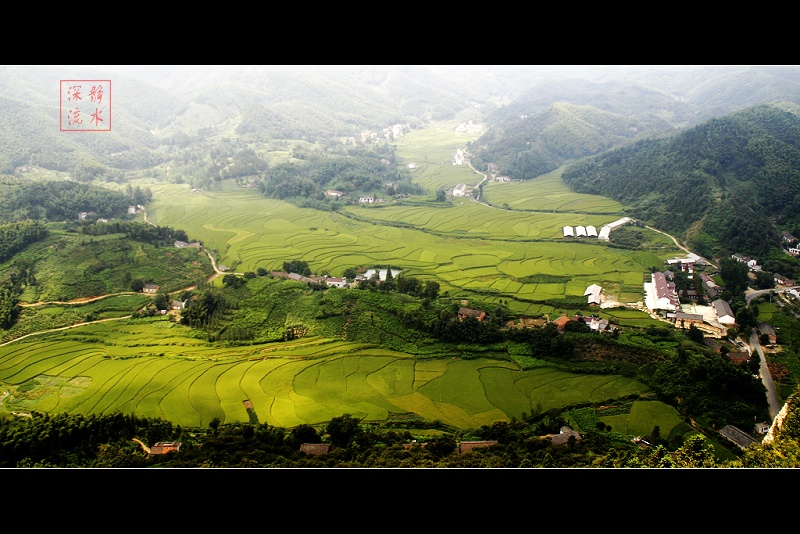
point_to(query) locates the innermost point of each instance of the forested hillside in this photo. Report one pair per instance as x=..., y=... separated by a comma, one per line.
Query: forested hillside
x=729, y=185
x=563, y=132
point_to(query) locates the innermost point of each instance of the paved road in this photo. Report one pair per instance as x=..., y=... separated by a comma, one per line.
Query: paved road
x=766, y=377
x=64, y=328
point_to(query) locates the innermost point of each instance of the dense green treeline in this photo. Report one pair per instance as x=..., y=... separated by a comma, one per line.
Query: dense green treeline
x=16, y=236
x=57, y=200
x=119, y=441
x=737, y=176
x=138, y=231
x=352, y=172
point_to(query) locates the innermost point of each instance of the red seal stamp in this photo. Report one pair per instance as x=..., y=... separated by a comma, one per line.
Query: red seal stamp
x=85, y=105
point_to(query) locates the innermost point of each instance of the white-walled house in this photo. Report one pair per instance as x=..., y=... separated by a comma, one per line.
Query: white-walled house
x=724, y=312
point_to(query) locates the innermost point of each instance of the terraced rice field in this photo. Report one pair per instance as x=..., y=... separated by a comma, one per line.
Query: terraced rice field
x=158, y=370
x=467, y=247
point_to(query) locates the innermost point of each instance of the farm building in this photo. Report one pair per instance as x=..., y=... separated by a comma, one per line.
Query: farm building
x=605, y=233
x=735, y=435
x=593, y=292
x=619, y=222
x=569, y=232
x=685, y=320
x=580, y=231
x=591, y=231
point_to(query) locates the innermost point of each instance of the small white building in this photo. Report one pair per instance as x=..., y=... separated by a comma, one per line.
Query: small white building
x=569, y=232
x=460, y=190
x=593, y=292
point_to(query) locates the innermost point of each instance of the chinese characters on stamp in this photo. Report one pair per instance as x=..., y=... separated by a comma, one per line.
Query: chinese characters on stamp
x=85, y=105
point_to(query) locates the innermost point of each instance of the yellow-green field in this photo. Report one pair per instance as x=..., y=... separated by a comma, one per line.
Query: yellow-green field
x=155, y=369
x=548, y=193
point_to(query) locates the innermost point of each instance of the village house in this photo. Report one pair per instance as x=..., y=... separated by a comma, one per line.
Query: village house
x=150, y=288
x=751, y=263
x=660, y=293
x=739, y=356
x=712, y=344
x=561, y=321
x=782, y=280
x=724, y=312
x=336, y=282
x=766, y=329
x=710, y=286
x=762, y=427
x=562, y=438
